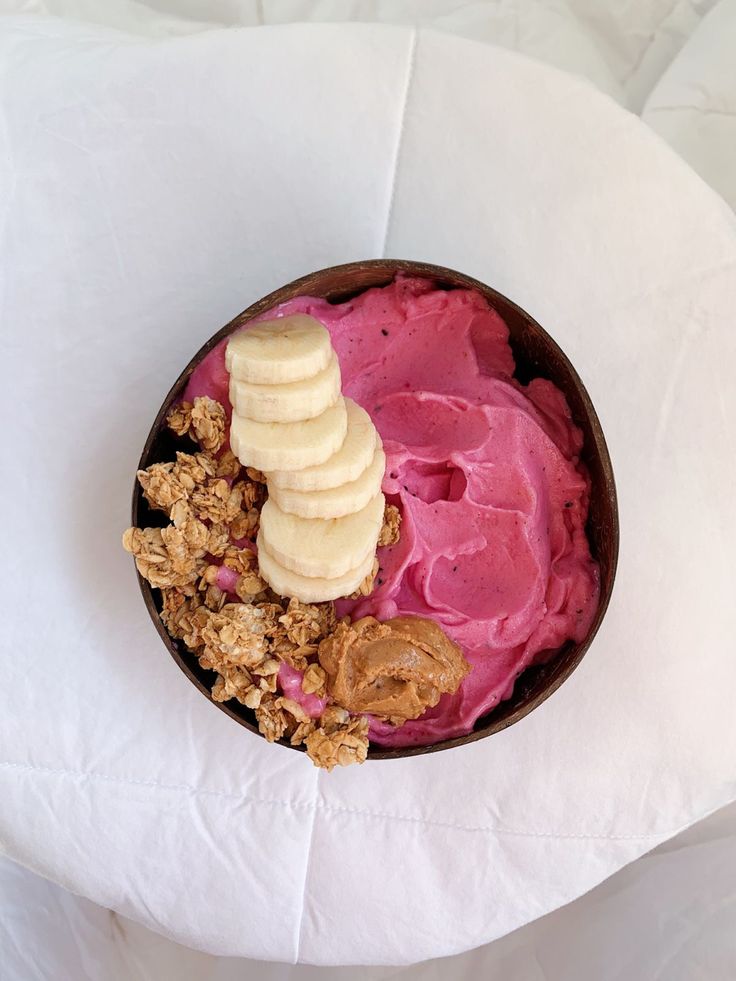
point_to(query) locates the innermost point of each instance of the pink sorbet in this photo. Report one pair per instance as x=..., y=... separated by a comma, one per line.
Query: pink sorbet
x=487, y=477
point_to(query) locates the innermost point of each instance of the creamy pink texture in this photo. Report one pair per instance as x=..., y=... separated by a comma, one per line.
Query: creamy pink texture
x=226, y=579
x=486, y=475
x=290, y=680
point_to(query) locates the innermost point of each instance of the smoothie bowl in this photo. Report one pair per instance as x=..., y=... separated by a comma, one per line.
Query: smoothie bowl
x=376, y=515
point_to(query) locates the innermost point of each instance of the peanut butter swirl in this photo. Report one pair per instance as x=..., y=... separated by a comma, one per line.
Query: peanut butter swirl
x=394, y=670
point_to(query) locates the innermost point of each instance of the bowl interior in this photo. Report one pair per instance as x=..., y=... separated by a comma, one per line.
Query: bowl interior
x=537, y=355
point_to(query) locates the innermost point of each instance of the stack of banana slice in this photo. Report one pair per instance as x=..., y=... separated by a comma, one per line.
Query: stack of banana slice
x=321, y=455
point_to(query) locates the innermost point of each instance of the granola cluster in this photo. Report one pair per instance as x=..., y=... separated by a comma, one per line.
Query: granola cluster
x=198, y=485
x=211, y=507
x=300, y=628
x=340, y=740
x=204, y=421
x=246, y=643
x=391, y=526
x=366, y=587
x=215, y=602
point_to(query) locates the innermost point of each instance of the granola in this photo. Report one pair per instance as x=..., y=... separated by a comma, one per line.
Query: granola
x=208, y=424
x=165, y=557
x=240, y=560
x=237, y=682
x=219, y=539
x=161, y=487
x=234, y=635
x=366, y=587
x=192, y=469
x=180, y=418
x=299, y=723
x=249, y=586
x=306, y=623
x=166, y=484
x=272, y=718
x=268, y=674
x=280, y=717
x=204, y=421
x=390, y=532
x=228, y=465
x=298, y=629
x=314, y=681
x=214, y=598
x=184, y=616
x=294, y=709
x=216, y=501
x=340, y=740
x=245, y=524
x=302, y=730
x=253, y=493
x=193, y=532
x=244, y=563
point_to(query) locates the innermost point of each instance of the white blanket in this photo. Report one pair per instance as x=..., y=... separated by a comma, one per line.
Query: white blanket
x=148, y=193
x=671, y=61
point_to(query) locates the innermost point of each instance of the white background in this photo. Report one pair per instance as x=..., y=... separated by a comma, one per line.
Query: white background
x=672, y=913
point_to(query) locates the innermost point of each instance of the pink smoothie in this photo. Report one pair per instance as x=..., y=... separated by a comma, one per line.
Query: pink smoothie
x=486, y=474
x=290, y=680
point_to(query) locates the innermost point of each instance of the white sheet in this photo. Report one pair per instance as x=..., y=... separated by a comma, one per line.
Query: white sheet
x=90, y=259
x=651, y=56
x=693, y=106
x=669, y=915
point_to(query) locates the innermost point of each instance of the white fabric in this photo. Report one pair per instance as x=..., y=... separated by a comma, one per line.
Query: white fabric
x=621, y=47
x=668, y=915
x=652, y=56
x=693, y=106
x=151, y=191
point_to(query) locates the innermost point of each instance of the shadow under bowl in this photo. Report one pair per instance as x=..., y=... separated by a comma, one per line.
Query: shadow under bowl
x=537, y=355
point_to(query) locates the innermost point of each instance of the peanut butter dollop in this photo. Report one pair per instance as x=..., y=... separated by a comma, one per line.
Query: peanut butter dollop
x=395, y=670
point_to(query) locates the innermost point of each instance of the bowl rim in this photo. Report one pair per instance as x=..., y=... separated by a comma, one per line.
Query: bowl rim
x=440, y=274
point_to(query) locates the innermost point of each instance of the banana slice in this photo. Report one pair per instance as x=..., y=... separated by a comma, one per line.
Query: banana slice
x=318, y=547
x=309, y=589
x=284, y=350
x=334, y=502
x=289, y=445
x=346, y=465
x=289, y=402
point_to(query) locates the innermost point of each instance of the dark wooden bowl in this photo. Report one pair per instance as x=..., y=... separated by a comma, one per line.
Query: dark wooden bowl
x=537, y=355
